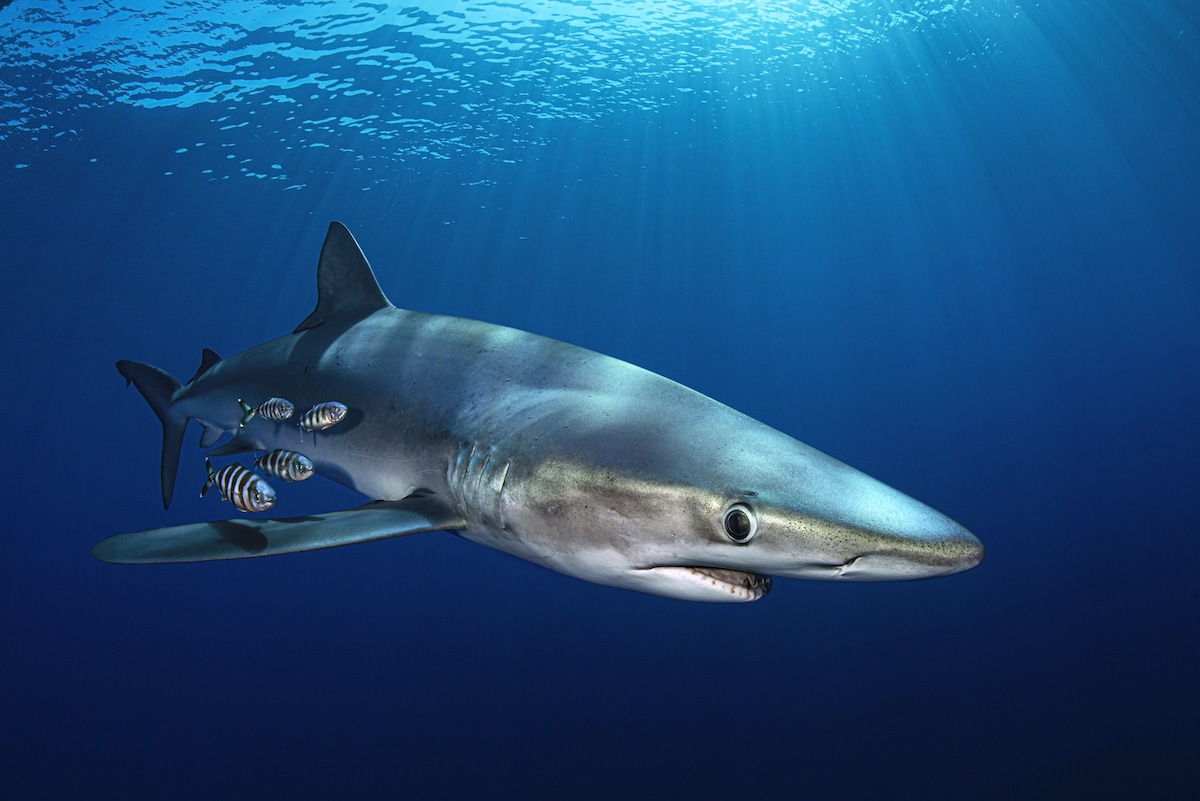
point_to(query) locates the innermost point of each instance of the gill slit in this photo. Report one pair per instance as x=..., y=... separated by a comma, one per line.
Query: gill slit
x=476, y=477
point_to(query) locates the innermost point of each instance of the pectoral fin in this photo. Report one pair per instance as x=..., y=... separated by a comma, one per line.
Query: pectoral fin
x=239, y=539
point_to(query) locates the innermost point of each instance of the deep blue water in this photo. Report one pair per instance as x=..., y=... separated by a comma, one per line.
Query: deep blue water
x=955, y=244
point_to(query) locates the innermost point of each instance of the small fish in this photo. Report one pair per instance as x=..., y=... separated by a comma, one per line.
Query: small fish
x=241, y=487
x=288, y=465
x=277, y=409
x=322, y=416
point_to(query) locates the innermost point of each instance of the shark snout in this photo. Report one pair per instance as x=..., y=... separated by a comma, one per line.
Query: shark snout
x=859, y=529
x=952, y=550
x=935, y=546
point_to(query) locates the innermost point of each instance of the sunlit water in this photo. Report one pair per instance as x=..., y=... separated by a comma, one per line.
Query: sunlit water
x=954, y=244
x=401, y=80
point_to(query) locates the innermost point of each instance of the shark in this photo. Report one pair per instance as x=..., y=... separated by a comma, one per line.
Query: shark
x=573, y=460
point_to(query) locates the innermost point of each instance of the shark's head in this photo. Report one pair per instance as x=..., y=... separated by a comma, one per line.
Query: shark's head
x=709, y=506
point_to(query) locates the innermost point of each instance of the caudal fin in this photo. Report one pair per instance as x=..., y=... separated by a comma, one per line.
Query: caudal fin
x=158, y=387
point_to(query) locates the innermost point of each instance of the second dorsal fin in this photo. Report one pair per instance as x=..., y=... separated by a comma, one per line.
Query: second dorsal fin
x=208, y=358
x=346, y=286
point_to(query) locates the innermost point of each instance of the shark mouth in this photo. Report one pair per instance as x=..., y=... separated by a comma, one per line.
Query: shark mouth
x=737, y=584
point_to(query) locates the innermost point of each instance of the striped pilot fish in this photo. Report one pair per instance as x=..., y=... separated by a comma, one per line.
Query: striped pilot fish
x=241, y=487
x=322, y=416
x=288, y=465
x=277, y=409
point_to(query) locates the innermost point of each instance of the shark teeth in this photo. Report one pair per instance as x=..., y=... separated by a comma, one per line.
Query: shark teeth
x=738, y=583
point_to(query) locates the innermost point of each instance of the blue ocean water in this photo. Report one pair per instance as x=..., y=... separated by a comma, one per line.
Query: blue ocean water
x=952, y=243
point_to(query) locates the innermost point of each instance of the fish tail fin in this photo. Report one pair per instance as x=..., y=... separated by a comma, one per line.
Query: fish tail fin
x=248, y=412
x=158, y=388
x=212, y=478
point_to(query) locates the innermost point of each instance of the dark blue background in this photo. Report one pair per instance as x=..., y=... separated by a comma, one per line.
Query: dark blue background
x=977, y=281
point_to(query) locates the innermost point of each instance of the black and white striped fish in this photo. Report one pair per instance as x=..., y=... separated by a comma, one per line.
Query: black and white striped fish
x=277, y=409
x=241, y=487
x=322, y=416
x=288, y=465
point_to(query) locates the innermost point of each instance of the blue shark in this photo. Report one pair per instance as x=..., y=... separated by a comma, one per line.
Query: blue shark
x=570, y=459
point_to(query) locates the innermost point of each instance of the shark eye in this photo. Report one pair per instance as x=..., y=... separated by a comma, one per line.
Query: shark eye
x=740, y=523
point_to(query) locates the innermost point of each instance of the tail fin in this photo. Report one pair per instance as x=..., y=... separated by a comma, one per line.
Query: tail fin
x=248, y=413
x=212, y=478
x=158, y=387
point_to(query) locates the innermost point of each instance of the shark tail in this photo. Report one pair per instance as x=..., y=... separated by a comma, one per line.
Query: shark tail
x=158, y=388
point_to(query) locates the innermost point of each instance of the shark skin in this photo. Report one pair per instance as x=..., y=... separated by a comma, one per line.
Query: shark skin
x=567, y=458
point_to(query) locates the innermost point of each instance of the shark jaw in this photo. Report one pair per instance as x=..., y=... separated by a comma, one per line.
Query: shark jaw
x=711, y=583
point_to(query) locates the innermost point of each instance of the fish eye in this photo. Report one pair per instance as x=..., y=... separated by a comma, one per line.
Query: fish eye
x=740, y=523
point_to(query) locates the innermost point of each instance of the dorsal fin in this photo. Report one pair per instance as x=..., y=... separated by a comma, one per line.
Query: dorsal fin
x=346, y=286
x=207, y=359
